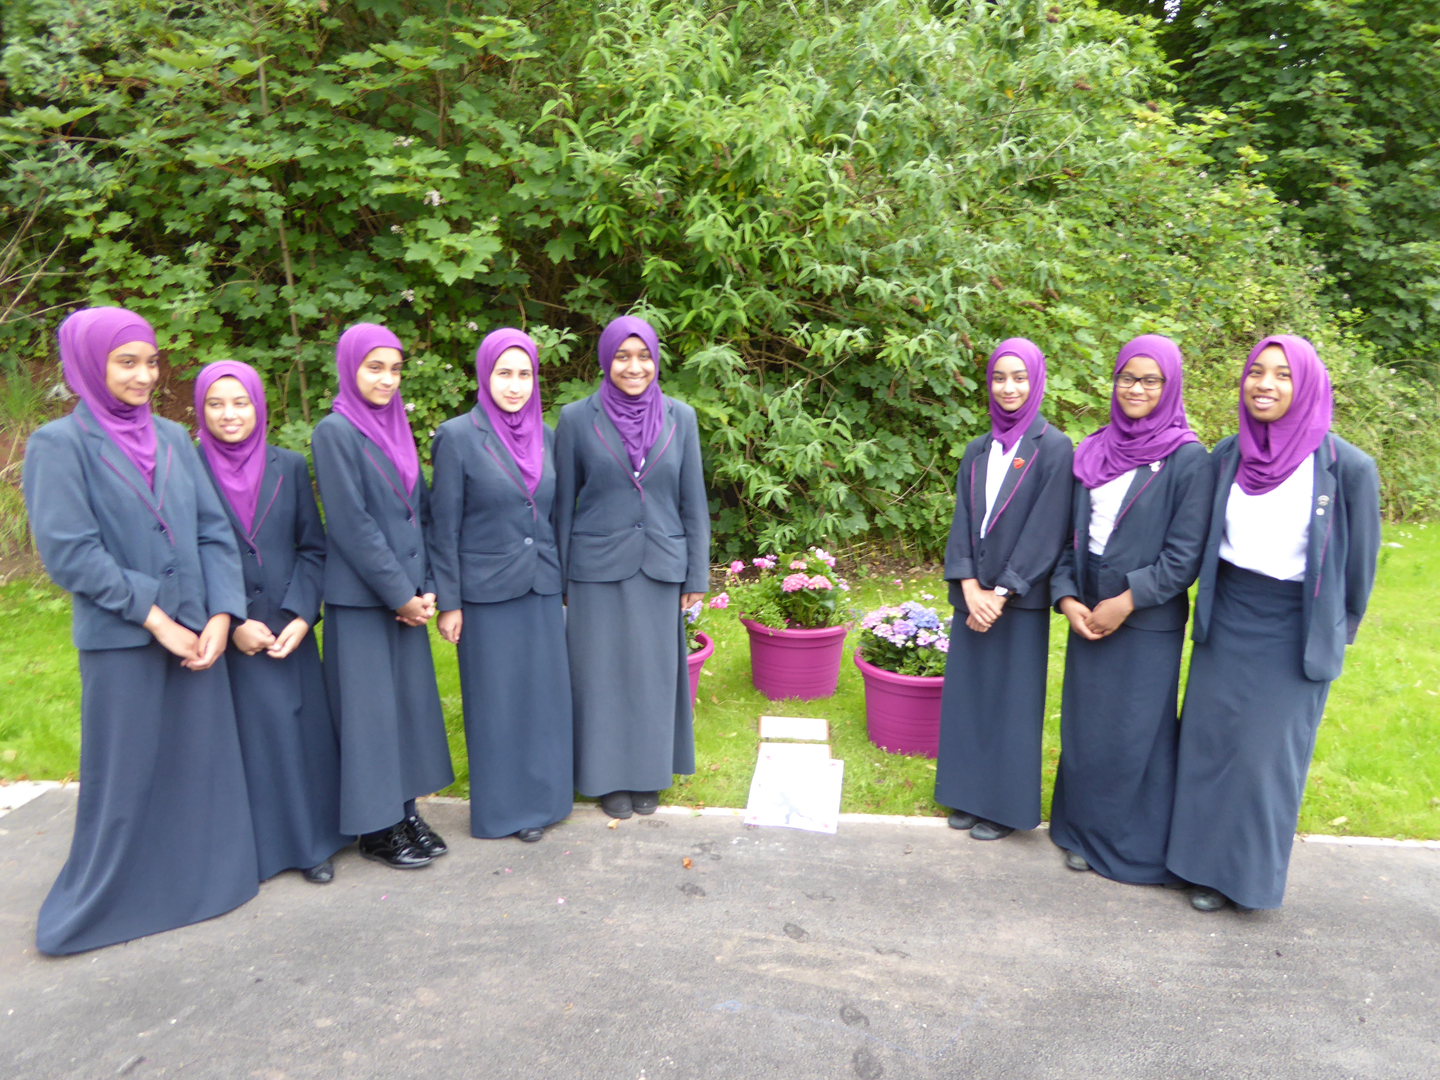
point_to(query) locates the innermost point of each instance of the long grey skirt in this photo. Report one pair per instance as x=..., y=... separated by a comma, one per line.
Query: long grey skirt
x=1247, y=733
x=633, y=714
x=1118, y=730
x=519, y=727
x=381, y=680
x=162, y=832
x=292, y=757
x=992, y=715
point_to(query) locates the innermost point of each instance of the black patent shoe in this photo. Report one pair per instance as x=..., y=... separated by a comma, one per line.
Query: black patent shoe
x=962, y=821
x=322, y=874
x=644, y=802
x=617, y=804
x=1203, y=899
x=989, y=830
x=394, y=847
x=425, y=838
x=529, y=836
x=1076, y=861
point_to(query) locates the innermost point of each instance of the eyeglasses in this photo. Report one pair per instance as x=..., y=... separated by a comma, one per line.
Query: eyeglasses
x=1149, y=382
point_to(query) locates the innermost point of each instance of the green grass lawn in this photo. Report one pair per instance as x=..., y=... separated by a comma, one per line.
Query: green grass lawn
x=1377, y=761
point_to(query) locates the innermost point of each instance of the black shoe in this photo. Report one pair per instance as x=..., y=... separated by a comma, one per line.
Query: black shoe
x=989, y=830
x=529, y=836
x=617, y=804
x=426, y=838
x=1075, y=861
x=1203, y=899
x=322, y=874
x=644, y=802
x=394, y=847
x=961, y=820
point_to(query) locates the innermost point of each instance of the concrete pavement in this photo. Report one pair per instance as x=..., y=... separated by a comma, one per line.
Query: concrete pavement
x=889, y=950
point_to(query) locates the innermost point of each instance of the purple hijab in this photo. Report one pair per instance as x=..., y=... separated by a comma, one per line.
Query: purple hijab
x=522, y=432
x=1125, y=444
x=388, y=425
x=1270, y=452
x=238, y=467
x=638, y=419
x=87, y=338
x=1008, y=428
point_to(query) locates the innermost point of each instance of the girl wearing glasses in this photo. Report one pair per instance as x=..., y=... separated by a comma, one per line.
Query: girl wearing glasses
x=1012, y=506
x=1284, y=579
x=1140, y=514
x=634, y=534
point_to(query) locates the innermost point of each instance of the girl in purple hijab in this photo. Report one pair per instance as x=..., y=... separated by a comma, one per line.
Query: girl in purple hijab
x=1139, y=520
x=1012, y=508
x=1284, y=580
x=497, y=583
x=125, y=520
x=379, y=596
x=633, y=528
x=287, y=738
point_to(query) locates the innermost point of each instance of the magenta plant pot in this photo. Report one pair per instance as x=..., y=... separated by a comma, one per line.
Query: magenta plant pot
x=902, y=712
x=696, y=661
x=802, y=664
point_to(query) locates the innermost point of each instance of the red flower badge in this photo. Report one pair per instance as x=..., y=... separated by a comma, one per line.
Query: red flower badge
x=1019, y=463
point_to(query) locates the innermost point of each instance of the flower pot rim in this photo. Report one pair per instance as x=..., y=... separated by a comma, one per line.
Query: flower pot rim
x=700, y=655
x=871, y=671
x=839, y=629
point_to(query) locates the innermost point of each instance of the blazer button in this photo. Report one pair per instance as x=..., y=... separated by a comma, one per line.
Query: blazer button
x=249, y=554
x=170, y=571
x=159, y=528
x=413, y=555
x=531, y=505
x=529, y=540
x=639, y=525
x=1104, y=566
x=259, y=589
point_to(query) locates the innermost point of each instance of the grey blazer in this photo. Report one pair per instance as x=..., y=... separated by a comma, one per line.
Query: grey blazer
x=283, y=555
x=611, y=524
x=376, y=530
x=1155, y=548
x=490, y=539
x=1340, y=562
x=1032, y=515
x=119, y=547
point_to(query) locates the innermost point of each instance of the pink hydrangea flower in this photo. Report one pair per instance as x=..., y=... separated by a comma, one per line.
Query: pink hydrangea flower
x=797, y=564
x=720, y=601
x=819, y=581
x=737, y=566
x=794, y=583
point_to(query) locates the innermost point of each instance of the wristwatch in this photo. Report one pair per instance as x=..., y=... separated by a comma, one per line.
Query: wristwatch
x=1000, y=590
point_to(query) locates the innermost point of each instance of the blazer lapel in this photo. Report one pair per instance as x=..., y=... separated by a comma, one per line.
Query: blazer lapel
x=1322, y=511
x=1142, y=479
x=270, y=483
x=1018, y=470
x=115, y=459
x=498, y=451
x=606, y=429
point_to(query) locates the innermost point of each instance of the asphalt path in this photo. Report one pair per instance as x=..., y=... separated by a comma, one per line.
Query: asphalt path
x=889, y=950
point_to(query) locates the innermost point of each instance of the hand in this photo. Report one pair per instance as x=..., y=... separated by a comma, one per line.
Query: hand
x=412, y=612
x=429, y=599
x=251, y=636
x=1077, y=613
x=211, y=644
x=690, y=599
x=450, y=625
x=983, y=603
x=975, y=624
x=294, y=633
x=1110, y=615
x=178, y=640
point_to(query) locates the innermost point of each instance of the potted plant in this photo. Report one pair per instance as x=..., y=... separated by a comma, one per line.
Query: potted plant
x=901, y=657
x=788, y=604
x=699, y=644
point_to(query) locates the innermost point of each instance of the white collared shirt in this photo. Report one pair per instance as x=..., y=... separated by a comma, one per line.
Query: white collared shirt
x=1270, y=533
x=996, y=465
x=1105, y=504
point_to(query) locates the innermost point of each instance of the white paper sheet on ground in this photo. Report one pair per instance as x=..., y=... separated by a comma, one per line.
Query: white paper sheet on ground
x=794, y=727
x=792, y=751
x=796, y=792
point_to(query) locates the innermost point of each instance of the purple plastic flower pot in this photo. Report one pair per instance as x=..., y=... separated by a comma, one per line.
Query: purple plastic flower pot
x=696, y=661
x=802, y=664
x=902, y=712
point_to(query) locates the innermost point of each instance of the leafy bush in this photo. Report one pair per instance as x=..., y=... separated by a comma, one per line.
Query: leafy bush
x=829, y=213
